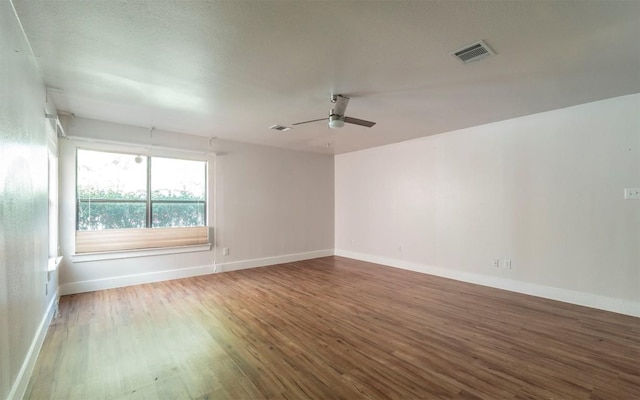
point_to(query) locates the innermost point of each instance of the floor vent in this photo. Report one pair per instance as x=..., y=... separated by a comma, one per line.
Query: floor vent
x=473, y=52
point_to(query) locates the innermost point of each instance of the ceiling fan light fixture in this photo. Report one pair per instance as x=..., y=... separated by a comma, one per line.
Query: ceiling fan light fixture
x=335, y=122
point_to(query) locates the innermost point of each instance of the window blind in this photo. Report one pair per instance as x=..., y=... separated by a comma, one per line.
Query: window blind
x=133, y=239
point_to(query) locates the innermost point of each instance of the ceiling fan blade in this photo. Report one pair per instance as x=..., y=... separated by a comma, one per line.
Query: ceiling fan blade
x=360, y=122
x=340, y=104
x=313, y=120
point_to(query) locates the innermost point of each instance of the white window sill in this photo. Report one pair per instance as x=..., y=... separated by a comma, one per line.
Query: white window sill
x=114, y=255
x=53, y=263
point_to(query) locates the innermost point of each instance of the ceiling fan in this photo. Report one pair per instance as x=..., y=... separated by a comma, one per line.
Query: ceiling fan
x=336, y=115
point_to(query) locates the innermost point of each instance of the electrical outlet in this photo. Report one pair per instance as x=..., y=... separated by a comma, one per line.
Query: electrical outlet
x=225, y=251
x=496, y=263
x=506, y=264
x=632, y=194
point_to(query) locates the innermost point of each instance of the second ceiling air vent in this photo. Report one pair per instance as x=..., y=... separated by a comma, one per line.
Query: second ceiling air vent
x=473, y=52
x=280, y=128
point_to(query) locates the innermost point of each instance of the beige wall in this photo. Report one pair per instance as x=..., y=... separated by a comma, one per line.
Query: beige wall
x=545, y=191
x=23, y=208
x=270, y=205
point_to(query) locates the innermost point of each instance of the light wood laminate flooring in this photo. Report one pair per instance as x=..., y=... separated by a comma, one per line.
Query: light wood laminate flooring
x=332, y=328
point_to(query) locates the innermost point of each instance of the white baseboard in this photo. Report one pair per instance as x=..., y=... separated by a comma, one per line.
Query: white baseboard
x=22, y=380
x=620, y=306
x=136, y=279
x=262, y=262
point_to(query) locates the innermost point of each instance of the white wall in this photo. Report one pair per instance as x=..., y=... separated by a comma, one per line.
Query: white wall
x=25, y=308
x=545, y=191
x=273, y=202
x=270, y=205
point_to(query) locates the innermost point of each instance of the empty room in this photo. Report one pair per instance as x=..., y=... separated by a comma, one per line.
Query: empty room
x=319, y=199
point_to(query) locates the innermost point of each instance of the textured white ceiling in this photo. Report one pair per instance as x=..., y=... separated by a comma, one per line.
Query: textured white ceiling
x=231, y=69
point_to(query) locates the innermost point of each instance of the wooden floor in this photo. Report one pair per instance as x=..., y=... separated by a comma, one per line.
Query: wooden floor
x=333, y=328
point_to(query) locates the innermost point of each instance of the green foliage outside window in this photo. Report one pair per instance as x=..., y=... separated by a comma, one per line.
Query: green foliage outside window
x=168, y=210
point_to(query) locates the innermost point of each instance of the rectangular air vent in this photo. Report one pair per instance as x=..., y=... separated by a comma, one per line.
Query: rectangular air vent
x=473, y=52
x=279, y=128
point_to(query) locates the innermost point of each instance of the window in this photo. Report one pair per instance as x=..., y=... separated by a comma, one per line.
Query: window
x=53, y=204
x=120, y=197
x=52, y=157
x=177, y=192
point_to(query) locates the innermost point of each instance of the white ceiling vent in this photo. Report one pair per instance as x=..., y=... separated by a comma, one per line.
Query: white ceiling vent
x=473, y=52
x=279, y=128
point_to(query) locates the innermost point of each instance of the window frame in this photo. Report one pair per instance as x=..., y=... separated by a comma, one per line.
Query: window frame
x=157, y=238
